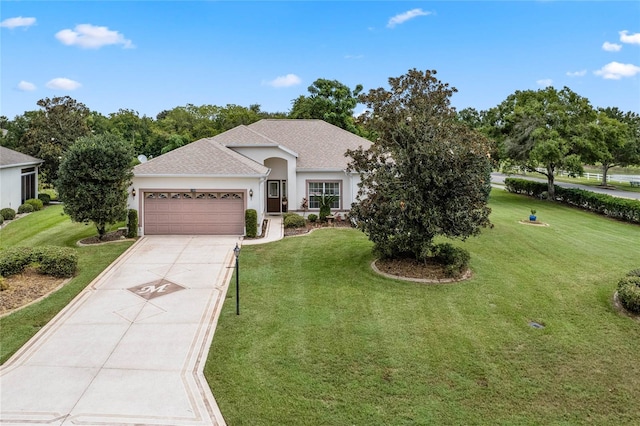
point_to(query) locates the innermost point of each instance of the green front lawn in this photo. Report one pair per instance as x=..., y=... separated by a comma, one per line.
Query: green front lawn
x=321, y=339
x=51, y=227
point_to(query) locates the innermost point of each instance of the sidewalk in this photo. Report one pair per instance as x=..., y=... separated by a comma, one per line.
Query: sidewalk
x=274, y=232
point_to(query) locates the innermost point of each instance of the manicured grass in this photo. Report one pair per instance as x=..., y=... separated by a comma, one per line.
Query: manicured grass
x=51, y=227
x=321, y=339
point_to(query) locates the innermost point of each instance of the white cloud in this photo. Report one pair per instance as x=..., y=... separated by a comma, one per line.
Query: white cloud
x=62, y=83
x=17, y=22
x=625, y=37
x=404, y=17
x=616, y=71
x=92, y=37
x=285, y=81
x=25, y=86
x=545, y=82
x=611, y=47
x=580, y=73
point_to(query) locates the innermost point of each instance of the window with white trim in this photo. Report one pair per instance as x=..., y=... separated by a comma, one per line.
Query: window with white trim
x=315, y=189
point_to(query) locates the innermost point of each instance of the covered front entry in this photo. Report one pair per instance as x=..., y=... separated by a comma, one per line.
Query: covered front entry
x=193, y=213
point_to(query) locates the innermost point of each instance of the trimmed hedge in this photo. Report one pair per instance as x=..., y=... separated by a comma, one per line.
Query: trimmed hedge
x=629, y=293
x=294, y=220
x=251, y=223
x=36, y=203
x=8, y=213
x=618, y=208
x=312, y=217
x=132, y=223
x=45, y=198
x=50, y=260
x=25, y=208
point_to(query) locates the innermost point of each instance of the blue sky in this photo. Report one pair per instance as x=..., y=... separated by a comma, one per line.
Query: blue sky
x=150, y=56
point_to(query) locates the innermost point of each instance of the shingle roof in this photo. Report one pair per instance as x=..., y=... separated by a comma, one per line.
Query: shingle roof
x=11, y=158
x=243, y=136
x=204, y=157
x=319, y=145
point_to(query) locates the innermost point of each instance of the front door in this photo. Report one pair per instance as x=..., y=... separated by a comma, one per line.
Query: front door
x=273, y=196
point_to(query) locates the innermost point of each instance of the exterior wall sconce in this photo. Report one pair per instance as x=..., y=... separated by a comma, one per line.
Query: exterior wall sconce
x=251, y=193
x=133, y=193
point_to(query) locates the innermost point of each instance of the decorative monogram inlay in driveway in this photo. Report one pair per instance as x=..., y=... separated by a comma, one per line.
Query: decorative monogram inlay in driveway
x=155, y=289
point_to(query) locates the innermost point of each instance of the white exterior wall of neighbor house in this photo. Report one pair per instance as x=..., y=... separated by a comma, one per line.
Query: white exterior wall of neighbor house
x=146, y=183
x=10, y=187
x=348, y=187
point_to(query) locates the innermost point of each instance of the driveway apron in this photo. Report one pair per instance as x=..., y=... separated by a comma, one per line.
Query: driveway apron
x=130, y=349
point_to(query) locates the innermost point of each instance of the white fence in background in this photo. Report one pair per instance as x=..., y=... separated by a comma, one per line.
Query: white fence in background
x=598, y=177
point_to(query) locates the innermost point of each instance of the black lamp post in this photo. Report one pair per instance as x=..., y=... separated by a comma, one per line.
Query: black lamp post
x=236, y=251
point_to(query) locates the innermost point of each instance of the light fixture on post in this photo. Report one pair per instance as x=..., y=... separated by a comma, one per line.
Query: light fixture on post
x=133, y=193
x=251, y=193
x=236, y=251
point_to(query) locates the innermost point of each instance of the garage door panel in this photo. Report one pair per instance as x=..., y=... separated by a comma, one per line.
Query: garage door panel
x=208, y=213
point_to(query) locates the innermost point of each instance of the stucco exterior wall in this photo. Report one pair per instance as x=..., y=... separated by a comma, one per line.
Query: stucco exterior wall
x=10, y=187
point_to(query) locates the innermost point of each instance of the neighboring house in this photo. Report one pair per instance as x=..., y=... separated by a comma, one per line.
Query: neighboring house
x=270, y=166
x=18, y=178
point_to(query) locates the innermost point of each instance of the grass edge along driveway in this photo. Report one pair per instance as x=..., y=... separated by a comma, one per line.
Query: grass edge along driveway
x=51, y=227
x=323, y=340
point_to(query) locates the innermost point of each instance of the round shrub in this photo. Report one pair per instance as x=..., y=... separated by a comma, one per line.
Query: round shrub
x=36, y=203
x=634, y=273
x=454, y=259
x=45, y=198
x=59, y=262
x=25, y=208
x=629, y=293
x=8, y=213
x=294, y=221
x=132, y=223
x=14, y=260
x=312, y=217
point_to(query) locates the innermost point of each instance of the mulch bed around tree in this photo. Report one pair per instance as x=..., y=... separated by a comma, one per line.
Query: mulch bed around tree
x=413, y=270
x=26, y=287
x=109, y=237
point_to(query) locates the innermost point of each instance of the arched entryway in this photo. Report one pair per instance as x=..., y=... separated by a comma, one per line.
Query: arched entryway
x=277, y=191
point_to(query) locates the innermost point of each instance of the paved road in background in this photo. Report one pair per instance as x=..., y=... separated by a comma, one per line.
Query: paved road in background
x=498, y=178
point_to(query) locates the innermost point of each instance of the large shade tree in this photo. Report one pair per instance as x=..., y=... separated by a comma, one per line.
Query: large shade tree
x=543, y=131
x=615, y=138
x=93, y=179
x=427, y=175
x=52, y=130
x=331, y=101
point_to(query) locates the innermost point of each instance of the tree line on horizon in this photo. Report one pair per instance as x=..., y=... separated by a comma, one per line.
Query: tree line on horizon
x=533, y=129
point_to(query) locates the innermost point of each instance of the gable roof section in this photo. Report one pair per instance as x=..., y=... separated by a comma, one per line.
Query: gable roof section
x=243, y=136
x=11, y=158
x=204, y=157
x=319, y=145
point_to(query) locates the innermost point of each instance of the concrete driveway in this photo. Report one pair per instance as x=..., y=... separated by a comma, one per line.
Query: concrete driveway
x=131, y=348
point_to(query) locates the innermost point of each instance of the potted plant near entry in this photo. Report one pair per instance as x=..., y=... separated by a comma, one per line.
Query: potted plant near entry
x=532, y=216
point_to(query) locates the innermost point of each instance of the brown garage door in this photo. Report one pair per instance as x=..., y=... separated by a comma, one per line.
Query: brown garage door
x=193, y=213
